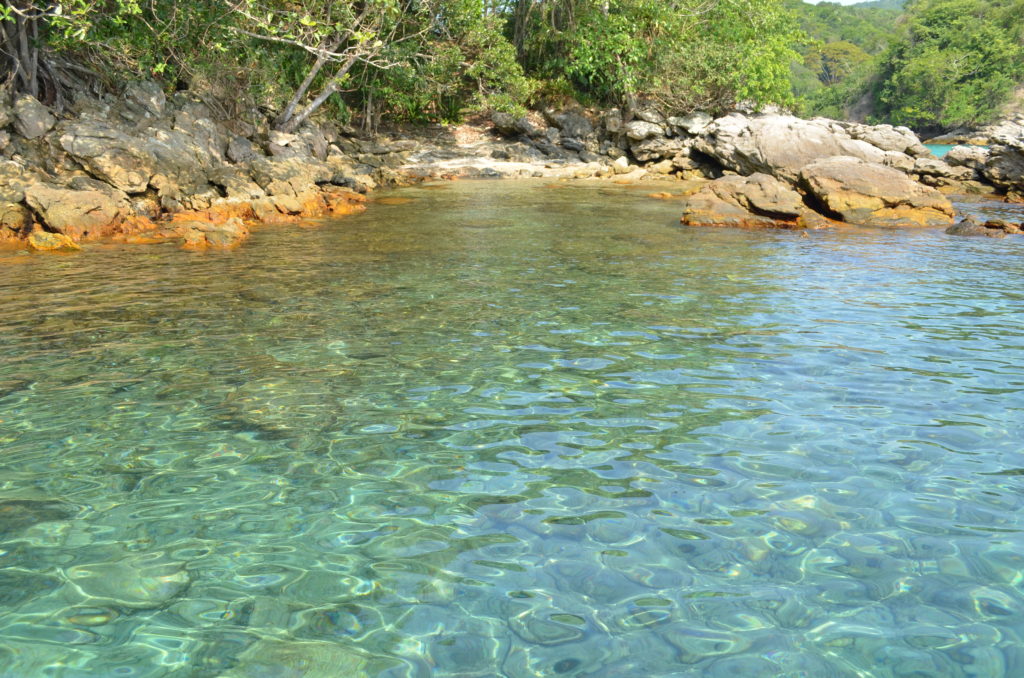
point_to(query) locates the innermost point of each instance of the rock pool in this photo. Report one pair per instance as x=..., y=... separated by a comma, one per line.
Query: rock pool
x=507, y=429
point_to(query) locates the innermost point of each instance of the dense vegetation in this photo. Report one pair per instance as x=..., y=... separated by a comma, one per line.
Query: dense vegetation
x=411, y=59
x=935, y=63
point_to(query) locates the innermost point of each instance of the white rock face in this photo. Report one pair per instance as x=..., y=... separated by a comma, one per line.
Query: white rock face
x=780, y=145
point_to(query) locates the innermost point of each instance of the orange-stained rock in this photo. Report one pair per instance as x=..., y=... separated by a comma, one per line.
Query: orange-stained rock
x=75, y=213
x=200, y=235
x=342, y=201
x=757, y=201
x=44, y=241
x=135, y=224
x=392, y=200
x=218, y=213
x=15, y=221
x=867, y=194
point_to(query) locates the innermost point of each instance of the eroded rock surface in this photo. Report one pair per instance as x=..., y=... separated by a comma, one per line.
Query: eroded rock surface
x=757, y=201
x=868, y=194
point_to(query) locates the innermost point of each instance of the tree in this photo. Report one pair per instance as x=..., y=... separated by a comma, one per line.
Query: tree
x=957, y=64
x=336, y=36
x=833, y=62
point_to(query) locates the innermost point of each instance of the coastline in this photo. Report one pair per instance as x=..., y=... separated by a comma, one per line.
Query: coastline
x=145, y=168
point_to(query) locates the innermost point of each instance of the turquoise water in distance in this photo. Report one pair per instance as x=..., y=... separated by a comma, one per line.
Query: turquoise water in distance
x=509, y=430
x=940, y=150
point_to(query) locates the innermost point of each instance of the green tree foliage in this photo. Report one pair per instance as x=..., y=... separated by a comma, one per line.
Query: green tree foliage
x=833, y=62
x=956, y=65
x=413, y=59
x=686, y=54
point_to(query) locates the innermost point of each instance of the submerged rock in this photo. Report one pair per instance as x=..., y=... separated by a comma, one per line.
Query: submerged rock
x=970, y=226
x=18, y=514
x=1004, y=167
x=757, y=201
x=140, y=582
x=868, y=194
x=269, y=657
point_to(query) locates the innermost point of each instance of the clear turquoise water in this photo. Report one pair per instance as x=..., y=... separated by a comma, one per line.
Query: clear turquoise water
x=507, y=430
x=939, y=150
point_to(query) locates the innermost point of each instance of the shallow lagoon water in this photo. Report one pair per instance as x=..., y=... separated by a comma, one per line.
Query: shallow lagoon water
x=504, y=429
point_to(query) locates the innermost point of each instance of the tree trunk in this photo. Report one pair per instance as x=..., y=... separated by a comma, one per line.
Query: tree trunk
x=293, y=123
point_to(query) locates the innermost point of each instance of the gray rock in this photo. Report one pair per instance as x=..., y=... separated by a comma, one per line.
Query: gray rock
x=573, y=145
x=572, y=124
x=1004, y=167
x=936, y=168
x=897, y=160
x=240, y=149
x=5, y=140
x=6, y=114
x=967, y=156
x=638, y=130
x=14, y=179
x=31, y=119
x=889, y=138
x=504, y=123
x=651, y=115
x=147, y=96
x=613, y=121
x=692, y=124
x=969, y=226
x=528, y=129
x=659, y=148
x=780, y=145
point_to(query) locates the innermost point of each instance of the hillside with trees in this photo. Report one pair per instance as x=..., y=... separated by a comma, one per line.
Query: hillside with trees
x=936, y=63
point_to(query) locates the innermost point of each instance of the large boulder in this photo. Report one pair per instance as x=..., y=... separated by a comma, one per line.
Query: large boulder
x=638, y=130
x=889, y=138
x=757, y=201
x=1004, y=167
x=109, y=154
x=973, y=157
x=658, y=148
x=76, y=213
x=572, y=124
x=691, y=124
x=780, y=145
x=31, y=118
x=869, y=194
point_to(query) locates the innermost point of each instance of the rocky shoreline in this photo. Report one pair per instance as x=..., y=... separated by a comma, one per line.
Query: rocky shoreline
x=145, y=168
